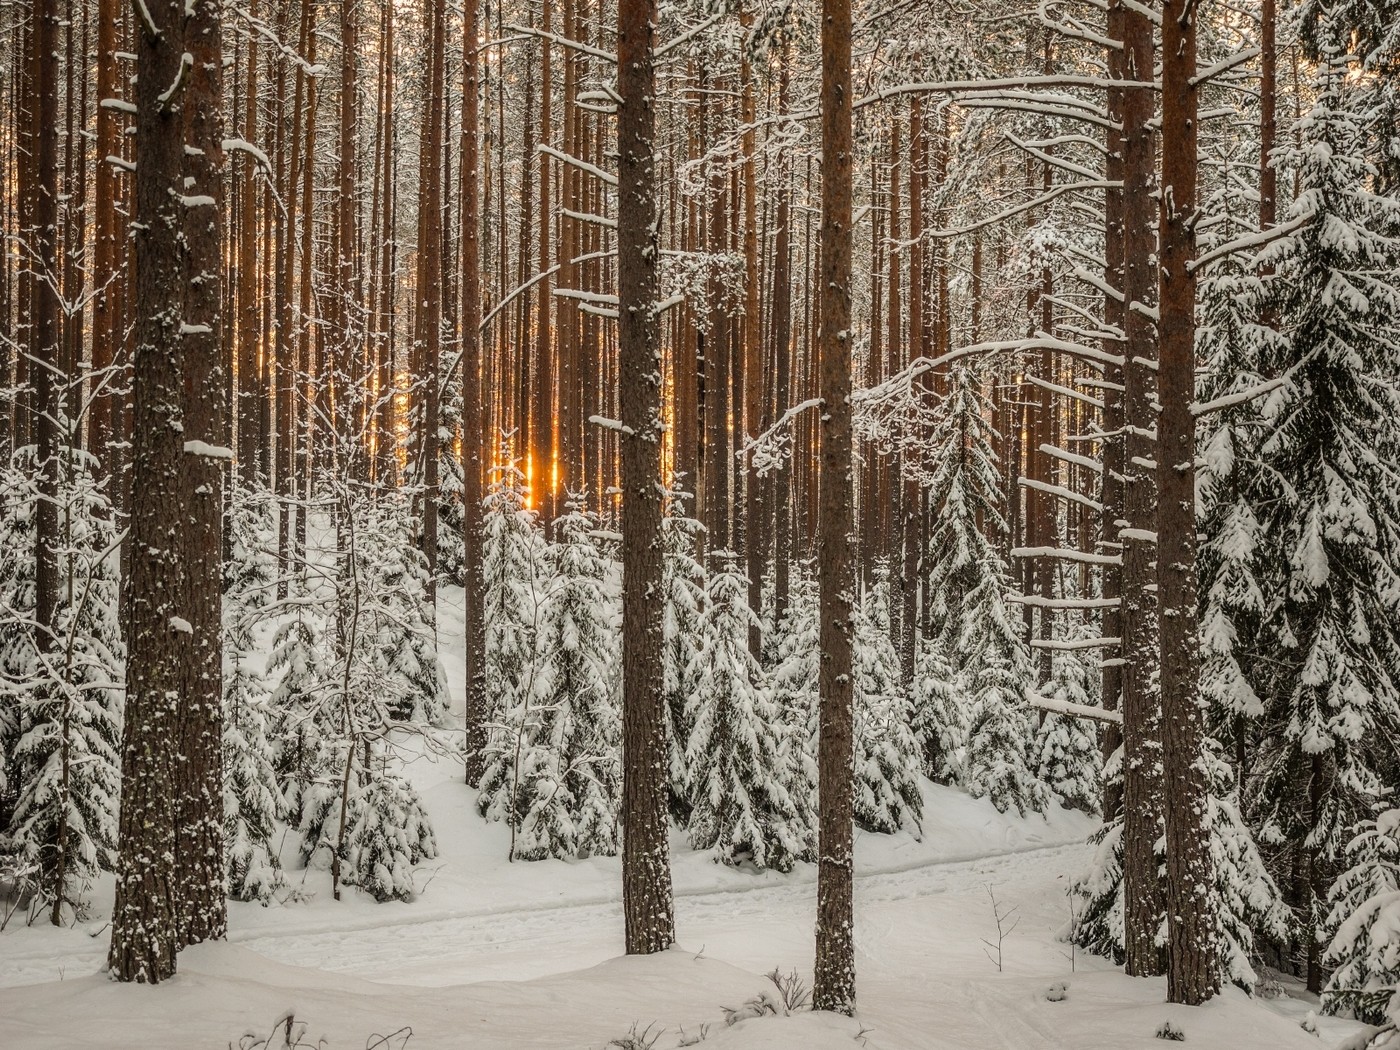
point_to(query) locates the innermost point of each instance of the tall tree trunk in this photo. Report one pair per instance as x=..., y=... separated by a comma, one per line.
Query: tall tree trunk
x=428, y=323
x=46, y=311
x=143, y=918
x=474, y=439
x=646, y=871
x=1142, y=775
x=834, y=983
x=199, y=834
x=1191, y=953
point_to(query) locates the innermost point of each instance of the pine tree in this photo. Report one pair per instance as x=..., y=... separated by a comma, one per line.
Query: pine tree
x=1363, y=917
x=570, y=776
x=740, y=802
x=683, y=598
x=1329, y=519
x=887, y=756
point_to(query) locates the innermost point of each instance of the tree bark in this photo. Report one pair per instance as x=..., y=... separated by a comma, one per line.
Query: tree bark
x=646, y=872
x=1191, y=966
x=473, y=405
x=143, y=918
x=199, y=834
x=834, y=980
x=1142, y=777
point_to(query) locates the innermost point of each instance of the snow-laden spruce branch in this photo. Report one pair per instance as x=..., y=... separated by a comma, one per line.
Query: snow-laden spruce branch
x=1251, y=241
x=1067, y=554
x=1074, y=644
x=1064, y=391
x=1049, y=158
x=563, y=41
x=957, y=87
x=1071, y=457
x=1036, y=601
x=1072, y=710
x=1205, y=408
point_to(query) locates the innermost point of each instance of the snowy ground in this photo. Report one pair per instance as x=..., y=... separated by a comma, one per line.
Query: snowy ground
x=523, y=956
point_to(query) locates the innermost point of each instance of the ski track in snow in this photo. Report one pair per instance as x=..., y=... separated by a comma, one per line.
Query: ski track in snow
x=549, y=928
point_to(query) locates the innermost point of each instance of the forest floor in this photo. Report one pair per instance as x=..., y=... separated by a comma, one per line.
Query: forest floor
x=524, y=956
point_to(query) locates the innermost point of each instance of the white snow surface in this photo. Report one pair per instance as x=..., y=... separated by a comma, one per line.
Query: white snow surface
x=517, y=956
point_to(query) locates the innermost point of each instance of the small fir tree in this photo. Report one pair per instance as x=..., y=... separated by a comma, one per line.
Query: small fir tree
x=67, y=731
x=683, y=597
x=740, y=804
x=1363, y=926
x=887, y=796
x=569, y=782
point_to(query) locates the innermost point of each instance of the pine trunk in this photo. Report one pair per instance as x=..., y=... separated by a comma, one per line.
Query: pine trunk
x=646, y=872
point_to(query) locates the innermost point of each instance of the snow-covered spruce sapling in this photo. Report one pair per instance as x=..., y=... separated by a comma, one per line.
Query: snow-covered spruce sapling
x=253, y=802
x=68, y=682
x=1363, y=922
x=740, y=802
x=567, y=777
x=514, y=571
x=1067, y=747
x=683, y=605
x=794, y=684
x=887, y=796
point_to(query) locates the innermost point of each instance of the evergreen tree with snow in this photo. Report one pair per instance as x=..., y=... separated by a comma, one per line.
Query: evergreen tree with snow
x=1363, y=925
x=513, y=563
x=67, y=727
x=394, y=615
x=570, y=780
x=253, y=801
x=887, y=796
x=451, y=531
x=996, y=675
x=302, y=752
x=795, y=686
x=740, y=802
x=1068, y=758
x=683, y=605
x=387, y=833
x=1329, y=513
x=973, y=628
x=250, y=569
x=939, y=718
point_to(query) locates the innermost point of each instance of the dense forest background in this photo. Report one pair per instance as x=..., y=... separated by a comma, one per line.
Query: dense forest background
x=1003, y=397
